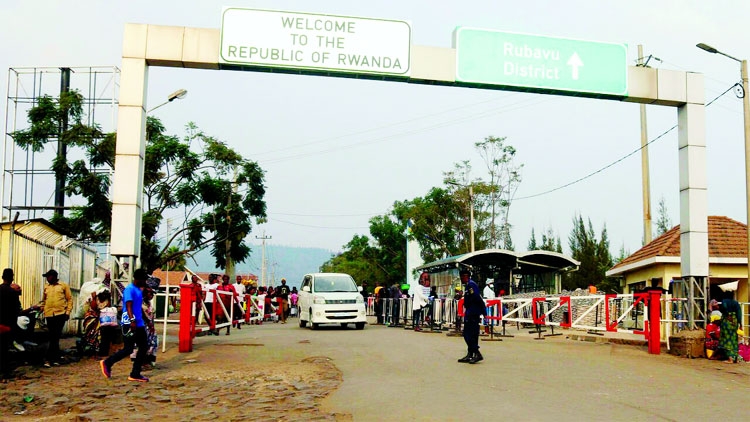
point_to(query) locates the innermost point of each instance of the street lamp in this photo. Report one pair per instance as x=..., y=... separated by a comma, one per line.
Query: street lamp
x=471, y=210
x=179, y=94
x=746, y=114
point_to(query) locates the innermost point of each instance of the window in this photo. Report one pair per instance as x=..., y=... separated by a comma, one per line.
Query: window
x=334, y=283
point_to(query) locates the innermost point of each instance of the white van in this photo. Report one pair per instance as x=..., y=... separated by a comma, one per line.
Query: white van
x=331, y=298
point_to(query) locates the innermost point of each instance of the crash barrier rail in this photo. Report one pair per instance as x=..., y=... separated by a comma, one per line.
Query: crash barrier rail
x=597, y=314
x=439, y=313
x=638, y=313
x=221, y=314
x=370, y=306
x=163, y=319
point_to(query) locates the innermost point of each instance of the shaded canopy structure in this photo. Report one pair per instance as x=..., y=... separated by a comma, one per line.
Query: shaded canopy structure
x=512, y=272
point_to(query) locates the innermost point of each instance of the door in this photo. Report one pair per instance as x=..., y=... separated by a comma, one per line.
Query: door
x=304, y=297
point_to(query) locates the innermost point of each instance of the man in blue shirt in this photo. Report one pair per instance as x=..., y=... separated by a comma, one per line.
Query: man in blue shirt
x=134, y=332
x=474, y=309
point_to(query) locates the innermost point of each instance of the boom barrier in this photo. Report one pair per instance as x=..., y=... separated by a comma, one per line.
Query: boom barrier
x=645, y=314
x=220, y=313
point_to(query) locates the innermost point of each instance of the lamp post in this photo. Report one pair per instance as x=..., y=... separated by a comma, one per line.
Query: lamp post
x=179, y=94
x=471, y=211
x=746, y=114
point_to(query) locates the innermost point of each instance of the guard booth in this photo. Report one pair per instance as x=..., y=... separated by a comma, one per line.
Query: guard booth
x=512, y=272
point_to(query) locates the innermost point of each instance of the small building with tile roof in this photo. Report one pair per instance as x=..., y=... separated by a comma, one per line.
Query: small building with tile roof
x=658, y=263
x=173, y=278
x=248, y=278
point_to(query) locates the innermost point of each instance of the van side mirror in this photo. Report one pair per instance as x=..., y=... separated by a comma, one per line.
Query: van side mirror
x=359, y=288
x=306, y=289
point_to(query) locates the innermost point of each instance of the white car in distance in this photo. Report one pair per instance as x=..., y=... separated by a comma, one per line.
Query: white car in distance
x=331, y=298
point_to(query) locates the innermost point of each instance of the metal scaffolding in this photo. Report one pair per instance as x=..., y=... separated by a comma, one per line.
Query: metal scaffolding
x=28, y=182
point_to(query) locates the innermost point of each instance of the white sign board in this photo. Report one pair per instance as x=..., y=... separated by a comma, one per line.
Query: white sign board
x=269, y=38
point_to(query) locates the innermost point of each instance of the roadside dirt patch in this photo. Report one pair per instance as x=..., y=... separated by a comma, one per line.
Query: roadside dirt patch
x=216, y=383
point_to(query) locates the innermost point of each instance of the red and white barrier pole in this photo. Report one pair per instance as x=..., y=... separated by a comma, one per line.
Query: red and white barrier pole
x=654, y=319
x=187, y=308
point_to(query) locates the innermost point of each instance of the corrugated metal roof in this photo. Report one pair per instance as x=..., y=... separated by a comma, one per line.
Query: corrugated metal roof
x=39, y=232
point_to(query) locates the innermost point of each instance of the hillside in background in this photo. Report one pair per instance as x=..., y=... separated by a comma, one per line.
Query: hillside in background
x=288, y=262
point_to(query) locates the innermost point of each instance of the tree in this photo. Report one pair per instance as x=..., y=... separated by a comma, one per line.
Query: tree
x=550, y=242
x=532, y=241
x=218, y=190
x=53, y=120
x=441, y=217
x=622, y=254
x=175, y=264
x=358, y=260
x=441, y=226
x=663, y=222
x=390, y=240
x=504, y=178
x=441, y=222
x=593, y=255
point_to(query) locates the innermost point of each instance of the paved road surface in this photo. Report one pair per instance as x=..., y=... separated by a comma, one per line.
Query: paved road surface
x=394, y=374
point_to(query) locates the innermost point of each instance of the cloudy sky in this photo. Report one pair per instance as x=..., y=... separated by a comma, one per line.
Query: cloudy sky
x=339, y=151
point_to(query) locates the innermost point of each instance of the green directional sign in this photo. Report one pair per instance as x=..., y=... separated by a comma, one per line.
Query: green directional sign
x=539, y=62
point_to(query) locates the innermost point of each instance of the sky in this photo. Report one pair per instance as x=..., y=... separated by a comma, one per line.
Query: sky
x=339, y=151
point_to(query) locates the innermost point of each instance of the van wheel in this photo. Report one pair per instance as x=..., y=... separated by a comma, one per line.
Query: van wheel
x=302, y=323
x=360, y=325
x=344, y=325
x=313, y=325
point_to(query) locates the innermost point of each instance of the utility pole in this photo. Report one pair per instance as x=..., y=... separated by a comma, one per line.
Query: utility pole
x=263, y=259
x=229, y=267
x=645, y=177
x=471, y=216
x=62, y=149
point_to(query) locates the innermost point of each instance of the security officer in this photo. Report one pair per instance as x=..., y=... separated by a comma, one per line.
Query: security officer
x=473, y=309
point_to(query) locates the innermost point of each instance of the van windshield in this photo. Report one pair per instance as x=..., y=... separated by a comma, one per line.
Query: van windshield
x=334, y=283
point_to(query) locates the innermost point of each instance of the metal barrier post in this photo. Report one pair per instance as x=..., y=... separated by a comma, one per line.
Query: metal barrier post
x=187, y=316
x=654, y=317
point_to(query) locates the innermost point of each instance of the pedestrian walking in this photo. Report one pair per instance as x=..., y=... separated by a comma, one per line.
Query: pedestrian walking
x=134, y=329
x=10, y=306
x=239, y=304
x=283, y=299
x=419, y=301
x=474, y=309
x=379, y=302
x=210, y=293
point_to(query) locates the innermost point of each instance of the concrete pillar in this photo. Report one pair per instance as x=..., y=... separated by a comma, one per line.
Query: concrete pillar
x=127, y=186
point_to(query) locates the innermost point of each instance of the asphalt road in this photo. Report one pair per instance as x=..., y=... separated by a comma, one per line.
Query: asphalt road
x=395, y=374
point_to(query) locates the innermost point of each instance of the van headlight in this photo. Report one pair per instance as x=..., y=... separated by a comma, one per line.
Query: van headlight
x=319, y=300
x=360, y=299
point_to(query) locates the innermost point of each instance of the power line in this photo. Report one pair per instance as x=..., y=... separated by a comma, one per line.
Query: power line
x=318, y=227
x=619, y=159
x=531, y=102
x=386, y=126
x=520, y=198
x=325, y=215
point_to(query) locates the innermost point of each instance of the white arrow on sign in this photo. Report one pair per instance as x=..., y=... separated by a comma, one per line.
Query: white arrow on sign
x=575, y=62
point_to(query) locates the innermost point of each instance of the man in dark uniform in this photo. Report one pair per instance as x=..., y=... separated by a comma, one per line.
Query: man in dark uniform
x=473, y=309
